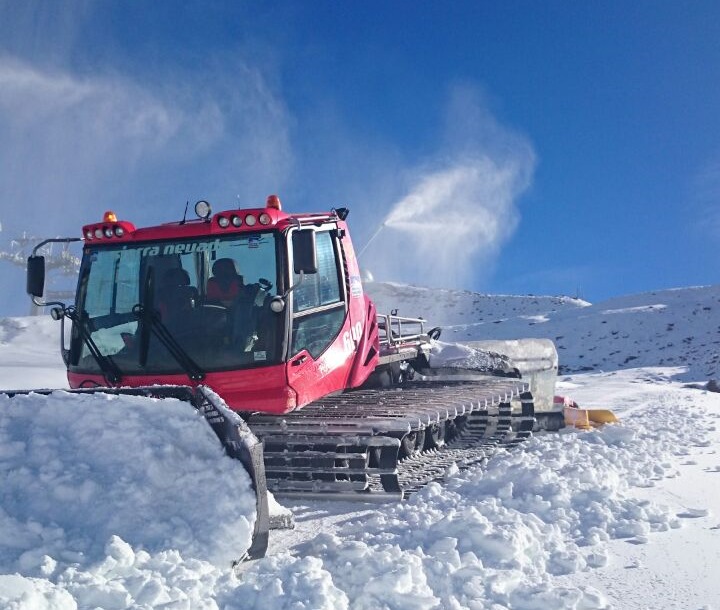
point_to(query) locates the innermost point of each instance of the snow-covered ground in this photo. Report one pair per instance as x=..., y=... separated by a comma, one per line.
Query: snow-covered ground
x=627, y=516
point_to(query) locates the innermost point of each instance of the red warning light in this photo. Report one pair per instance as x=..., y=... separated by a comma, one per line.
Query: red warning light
x=273, y=201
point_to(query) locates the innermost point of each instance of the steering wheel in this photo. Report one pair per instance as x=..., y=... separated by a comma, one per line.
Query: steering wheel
x=266, y=285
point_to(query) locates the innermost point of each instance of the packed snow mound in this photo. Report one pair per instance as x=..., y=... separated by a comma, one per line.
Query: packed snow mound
x=80, y=472
x=456, y=355
x=503, y=536
x=673, y=328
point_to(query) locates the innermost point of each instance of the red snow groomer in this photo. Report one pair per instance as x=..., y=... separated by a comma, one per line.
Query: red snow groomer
x=266, y=311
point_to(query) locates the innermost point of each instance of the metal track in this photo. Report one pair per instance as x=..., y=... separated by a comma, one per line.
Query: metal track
x=348, y=446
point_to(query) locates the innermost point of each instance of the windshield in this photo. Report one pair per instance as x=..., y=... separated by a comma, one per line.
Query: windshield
x=211, y=294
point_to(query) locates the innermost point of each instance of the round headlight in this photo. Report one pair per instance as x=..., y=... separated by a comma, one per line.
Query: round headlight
x=119, y=231
x=236, y=220
x=224, y=222
x=250, y=220
x=203, y=209
x=89, y=234
x=108, y=232
x=265, y=218
x=277, y=304
x=98, y=232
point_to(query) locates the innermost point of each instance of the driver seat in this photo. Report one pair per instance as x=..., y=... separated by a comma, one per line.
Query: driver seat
x=178, y=296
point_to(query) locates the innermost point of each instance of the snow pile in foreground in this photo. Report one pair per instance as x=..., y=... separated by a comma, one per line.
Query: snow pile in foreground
x=494, y=537
x=101, y=492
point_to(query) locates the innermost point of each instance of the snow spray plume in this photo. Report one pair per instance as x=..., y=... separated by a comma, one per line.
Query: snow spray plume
x=459, y=212
x=457, y=218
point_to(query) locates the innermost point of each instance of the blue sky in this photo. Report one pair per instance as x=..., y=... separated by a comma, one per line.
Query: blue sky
x=520, y=147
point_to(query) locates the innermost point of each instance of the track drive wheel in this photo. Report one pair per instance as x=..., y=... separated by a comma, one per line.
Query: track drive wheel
x=455, y=428
x=412, y=443
x=435, y=436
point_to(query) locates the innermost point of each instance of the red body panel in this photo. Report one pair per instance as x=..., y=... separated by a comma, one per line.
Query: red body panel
x=260, y=389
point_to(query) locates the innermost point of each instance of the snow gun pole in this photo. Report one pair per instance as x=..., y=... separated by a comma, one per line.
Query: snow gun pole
x=374, y=235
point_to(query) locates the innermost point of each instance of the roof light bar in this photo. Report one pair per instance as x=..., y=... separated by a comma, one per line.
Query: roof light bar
x=108, y=230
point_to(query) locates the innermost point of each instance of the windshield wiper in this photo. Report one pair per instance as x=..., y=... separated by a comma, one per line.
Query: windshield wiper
x=149, y=321
x=110, y=370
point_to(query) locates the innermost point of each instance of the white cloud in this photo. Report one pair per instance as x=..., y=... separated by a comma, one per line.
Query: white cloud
x=78, y=140
x=86, y=124
x=72, y=145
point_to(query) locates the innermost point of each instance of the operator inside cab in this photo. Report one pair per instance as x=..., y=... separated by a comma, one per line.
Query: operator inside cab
x=246, y=304
x=225, y=284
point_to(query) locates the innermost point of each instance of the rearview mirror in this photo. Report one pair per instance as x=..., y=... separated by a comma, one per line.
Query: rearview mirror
x=36, y=276
x=304, y=253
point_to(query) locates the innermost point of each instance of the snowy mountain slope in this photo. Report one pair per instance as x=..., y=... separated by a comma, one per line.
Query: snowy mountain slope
x=624, y=517
x=30, y=351
x=678, y=328
x=461, y=309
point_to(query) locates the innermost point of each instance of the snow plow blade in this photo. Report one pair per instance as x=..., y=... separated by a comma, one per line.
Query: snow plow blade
x=236, y=438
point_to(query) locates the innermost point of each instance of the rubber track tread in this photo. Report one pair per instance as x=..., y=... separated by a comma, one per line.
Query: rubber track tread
x=349, y=445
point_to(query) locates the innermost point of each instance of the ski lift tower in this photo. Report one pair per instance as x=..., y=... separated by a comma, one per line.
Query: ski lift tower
x=62, y=264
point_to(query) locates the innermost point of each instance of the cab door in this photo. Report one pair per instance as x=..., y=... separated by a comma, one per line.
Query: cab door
x=320, y=343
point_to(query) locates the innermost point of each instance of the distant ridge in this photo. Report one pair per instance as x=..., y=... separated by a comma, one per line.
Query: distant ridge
x=678, y=327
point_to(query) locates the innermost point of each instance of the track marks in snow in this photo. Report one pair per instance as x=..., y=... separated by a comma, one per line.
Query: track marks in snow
x=694, y=513
x=684, y=555
x=504, y=534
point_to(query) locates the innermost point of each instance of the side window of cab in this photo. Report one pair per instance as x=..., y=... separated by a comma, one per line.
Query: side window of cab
x=318, y=301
